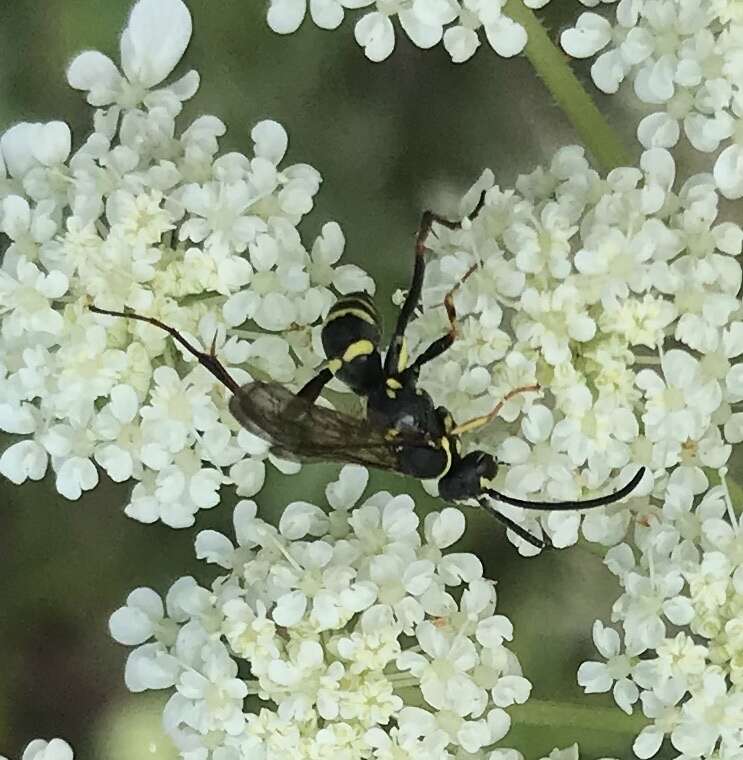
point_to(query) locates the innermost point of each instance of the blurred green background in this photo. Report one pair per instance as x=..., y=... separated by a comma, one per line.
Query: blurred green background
x=389, y=139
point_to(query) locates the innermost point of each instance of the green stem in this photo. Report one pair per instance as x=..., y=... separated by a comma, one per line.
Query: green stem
x=736, y=495
x=552, y=65
x=735, y=490
x=538, y=712
x=207, y=295
x=545, y=713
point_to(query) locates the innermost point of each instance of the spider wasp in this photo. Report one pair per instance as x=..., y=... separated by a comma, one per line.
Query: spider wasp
x=403, y=430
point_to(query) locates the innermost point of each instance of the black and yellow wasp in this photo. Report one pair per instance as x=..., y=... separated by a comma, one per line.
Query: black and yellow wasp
x=403, y=431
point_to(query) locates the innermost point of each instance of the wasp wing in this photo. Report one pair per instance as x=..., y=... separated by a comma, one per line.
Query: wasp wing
x=300, y=430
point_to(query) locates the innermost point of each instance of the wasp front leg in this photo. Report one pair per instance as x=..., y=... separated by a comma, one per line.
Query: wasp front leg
x=442, y=344
x=396, y=359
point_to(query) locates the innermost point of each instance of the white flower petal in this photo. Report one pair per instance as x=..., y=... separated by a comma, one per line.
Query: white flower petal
x=23, y=460
x=506, y=37
x=289, y=609
x=375, y=33
x=214, y=547
x=285, y=16
x=96, y=73
x=421, y=34
x=300, y=519
x=461, y=43
x=728, y=172
x=347, y=490
x=446, y=527
x=270, y=140
x=658, y=130
x=154, y=40
x=591, y=33
x=327, y=14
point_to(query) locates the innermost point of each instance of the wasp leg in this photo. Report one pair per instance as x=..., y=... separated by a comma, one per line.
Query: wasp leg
x=477, y=422
x=207, y=360
x=521, y=532
x=444, y=342
x=312, y=389
x=395, y=361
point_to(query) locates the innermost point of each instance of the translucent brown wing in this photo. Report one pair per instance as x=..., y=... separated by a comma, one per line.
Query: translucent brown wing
x=302, y=431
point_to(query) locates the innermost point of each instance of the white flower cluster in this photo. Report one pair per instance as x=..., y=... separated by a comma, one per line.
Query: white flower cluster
x=621, y=294
x=426, y=23
x=40, y=749
x=577, y=282
x=148, y=216
x=333, y=627
x=681, y=612
x=683, y=56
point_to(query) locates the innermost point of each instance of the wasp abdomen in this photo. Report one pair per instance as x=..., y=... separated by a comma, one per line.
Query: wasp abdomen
x=350, y=339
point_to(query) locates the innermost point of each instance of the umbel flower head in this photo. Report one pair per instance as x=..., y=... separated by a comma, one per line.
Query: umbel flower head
x=147, y=215
x=683, y=59
x=681, y=612
x=619, y=296
x=456, y=23
x=348, y=633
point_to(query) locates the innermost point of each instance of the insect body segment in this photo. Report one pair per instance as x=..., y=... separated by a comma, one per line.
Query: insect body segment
x=350, y=339
x=303, y=431
x=409, y=411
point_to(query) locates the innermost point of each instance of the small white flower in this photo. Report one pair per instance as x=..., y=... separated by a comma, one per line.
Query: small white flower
x=614, y=674
x=40, y=749
x=443, y=670
x=550, y=320
x=25, y=296
x=681, y=407
x=532, y=469
x=153, y=42
x=712, y=714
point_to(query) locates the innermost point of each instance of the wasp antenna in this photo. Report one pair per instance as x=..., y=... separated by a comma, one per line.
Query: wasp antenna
x=520, y=531
x=207, y=360
x=599, y=501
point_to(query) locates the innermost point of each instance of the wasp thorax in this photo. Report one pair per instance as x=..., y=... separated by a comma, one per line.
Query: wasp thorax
x=467, y=478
